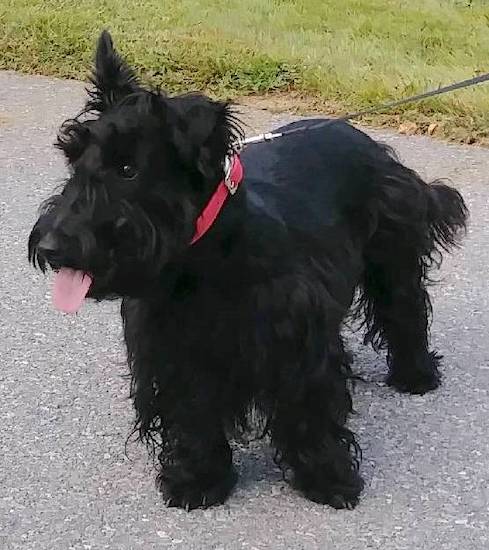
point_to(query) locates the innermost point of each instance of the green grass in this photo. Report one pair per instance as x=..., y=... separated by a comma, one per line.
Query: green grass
x=346, y=53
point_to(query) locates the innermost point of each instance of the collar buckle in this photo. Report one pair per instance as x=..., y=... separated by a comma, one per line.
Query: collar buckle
x=232, y=186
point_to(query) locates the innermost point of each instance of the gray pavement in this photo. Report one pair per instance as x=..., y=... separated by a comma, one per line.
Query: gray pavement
x=65, y=482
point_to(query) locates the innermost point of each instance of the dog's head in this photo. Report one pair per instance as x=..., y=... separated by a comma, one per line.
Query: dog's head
x=142, y=166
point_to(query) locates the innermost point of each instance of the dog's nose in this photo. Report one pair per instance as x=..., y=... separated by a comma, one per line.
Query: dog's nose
x=48, y=243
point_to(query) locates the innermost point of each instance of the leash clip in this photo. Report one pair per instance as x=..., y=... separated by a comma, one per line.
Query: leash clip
x=240, y=144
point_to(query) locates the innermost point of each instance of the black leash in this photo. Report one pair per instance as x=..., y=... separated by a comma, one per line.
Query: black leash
x=378, y=108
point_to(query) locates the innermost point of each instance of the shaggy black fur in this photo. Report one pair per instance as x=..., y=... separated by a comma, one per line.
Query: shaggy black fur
x=251, y=315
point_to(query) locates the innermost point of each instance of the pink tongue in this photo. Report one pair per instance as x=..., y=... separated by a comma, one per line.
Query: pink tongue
x=70, y=288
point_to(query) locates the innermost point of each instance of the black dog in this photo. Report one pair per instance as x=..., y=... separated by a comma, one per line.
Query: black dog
x=244, y=311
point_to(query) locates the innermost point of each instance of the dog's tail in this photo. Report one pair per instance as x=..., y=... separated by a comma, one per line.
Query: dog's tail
x=447, y=215
x=428, y=218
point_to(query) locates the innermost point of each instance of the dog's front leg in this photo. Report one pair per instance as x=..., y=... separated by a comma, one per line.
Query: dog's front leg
x=184, y=427
x=309, y=401
x=177, y=414
x=195, y=457
x=309, y=434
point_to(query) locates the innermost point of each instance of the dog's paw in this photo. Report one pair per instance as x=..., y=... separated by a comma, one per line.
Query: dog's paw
x=339, y=496
x=190, y=496
x=417, y=383
x=417, y=378
x=339, y=501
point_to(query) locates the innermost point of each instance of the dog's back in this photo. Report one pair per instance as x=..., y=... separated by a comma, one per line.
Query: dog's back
x=310, y=180
x=335, y=181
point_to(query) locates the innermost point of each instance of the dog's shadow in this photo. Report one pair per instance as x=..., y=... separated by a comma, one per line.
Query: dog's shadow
x=254, y=462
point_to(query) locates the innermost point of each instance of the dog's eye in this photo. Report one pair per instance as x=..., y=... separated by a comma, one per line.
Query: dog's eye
x=128, y=172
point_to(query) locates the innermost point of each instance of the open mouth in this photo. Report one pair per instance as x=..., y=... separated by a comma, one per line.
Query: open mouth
x=70, y=289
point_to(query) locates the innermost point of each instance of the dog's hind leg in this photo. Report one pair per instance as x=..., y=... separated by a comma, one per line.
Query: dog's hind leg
x=398, y=307
x=416, y=222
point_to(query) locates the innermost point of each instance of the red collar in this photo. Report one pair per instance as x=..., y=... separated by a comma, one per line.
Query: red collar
x=233, y=170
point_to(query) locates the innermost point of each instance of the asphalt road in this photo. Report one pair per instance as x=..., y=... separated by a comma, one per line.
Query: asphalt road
x=65, y=482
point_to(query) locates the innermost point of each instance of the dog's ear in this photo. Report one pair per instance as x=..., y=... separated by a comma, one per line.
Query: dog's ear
x=112, y=78
x=203, y=130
